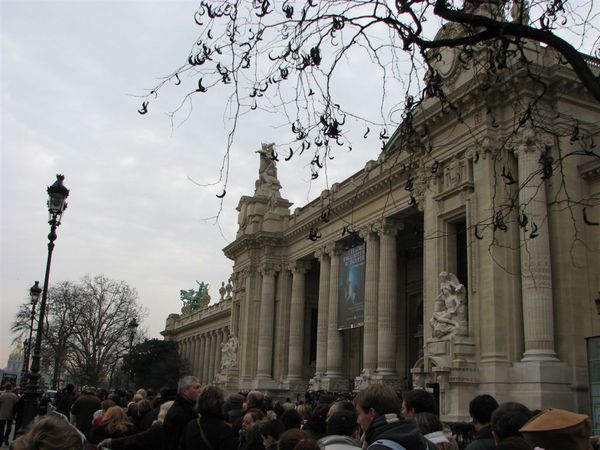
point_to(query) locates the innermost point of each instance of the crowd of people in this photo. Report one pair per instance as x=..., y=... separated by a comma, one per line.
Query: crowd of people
x=203, y=418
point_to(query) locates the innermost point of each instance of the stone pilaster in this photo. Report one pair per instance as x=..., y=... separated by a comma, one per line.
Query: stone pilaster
x=536, y=273
x=267, y=320
x=323, y=313
x=296, y=338
x=195, y=348
x=386, y=307
x=206, y=358
x=201, y=363
x=371, y=298
x=335, y=344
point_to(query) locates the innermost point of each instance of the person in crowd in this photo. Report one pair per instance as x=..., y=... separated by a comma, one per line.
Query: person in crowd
x=340, y=405
x=558, y=429
x=8, y=401
x=255, y=400
x=305, y=411
x=249, y=434
x=182, y=410
x=115, y=424
x=142, y=393
x=104, y=405
x=290, y=438
x=50, y=433
x=480, y=410
x=143, y=407
x=83, y=409
x=291, y=419
x=308, y=444
x=236, y=410
x=66, y=399
x=154, y=438
x=417, y=401
x=342, y=431
x=506, y=422
x=378, y=409
x=166, y=394
x=316, y=426
x=422, y=401
x=270, y=431
x=431, y=427
x=210, y=431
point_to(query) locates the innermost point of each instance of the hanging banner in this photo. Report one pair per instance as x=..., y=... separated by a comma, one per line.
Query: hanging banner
x=351, y=300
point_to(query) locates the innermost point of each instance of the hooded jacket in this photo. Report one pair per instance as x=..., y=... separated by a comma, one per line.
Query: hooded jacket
x=393, y=428
x=339, y=442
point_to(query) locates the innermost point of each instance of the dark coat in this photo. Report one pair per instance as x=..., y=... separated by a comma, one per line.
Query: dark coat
x=483, y=440
x=64, y=403
x=153, y=438
x=404, y=432
x=83, y=409
x=178, y=416
x=218, y=433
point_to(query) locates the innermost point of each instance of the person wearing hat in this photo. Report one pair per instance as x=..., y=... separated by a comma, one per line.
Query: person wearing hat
x=559, y=429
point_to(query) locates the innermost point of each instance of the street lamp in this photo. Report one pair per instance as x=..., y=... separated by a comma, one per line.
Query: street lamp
x=34, y=295
x=132, y=329
x=57, y=196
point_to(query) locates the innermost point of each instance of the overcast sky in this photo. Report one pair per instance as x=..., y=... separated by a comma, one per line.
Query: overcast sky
x=69, y=73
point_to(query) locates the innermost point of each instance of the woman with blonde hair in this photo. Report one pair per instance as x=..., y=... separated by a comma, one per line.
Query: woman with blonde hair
x=49, y=433
x=115, y=424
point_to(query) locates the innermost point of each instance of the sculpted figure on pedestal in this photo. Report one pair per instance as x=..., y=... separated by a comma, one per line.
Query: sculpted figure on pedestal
x=450, y=311
x=267, y=172
x=229, y=354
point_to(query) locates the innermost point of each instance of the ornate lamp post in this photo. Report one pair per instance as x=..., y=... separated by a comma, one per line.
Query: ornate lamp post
x=57, y=195
x=34, y=294
x=132, y=326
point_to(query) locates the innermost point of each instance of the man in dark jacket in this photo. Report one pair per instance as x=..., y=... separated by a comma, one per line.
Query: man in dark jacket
x=480, y=410
x=378, y=409
x=83, y=410
x=66, y=400
x=182, y=410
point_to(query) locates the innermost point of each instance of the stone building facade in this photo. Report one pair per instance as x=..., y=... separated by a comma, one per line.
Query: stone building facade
x=477, y=268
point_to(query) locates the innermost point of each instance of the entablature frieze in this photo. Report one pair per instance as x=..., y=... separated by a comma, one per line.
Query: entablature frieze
x=253, y=242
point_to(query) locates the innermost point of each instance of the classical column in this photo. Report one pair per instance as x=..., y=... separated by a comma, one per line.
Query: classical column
x=195, y=355
x=206, y=358
x=371, y=293
x=213, y=356
x=201, y=360
x=536, y=273
x=296, y=341
x=323, y=313
x=386, y=307
x=335, y=344
x=267, y=319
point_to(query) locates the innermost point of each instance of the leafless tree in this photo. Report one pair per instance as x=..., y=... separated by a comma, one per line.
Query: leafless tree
x=288, y=57
x=86, y=333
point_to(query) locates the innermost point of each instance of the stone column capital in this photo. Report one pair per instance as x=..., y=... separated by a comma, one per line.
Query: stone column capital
x=298, y=266
x=389, y=227
x=370, y=233
x=269, y=269
x=334, y=249
x=321, y=252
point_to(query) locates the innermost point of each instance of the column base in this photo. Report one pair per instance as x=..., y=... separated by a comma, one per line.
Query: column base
x=265, y=384
x=540, y=356
x=295, y=385
x=542, y=384
x=334, y=383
